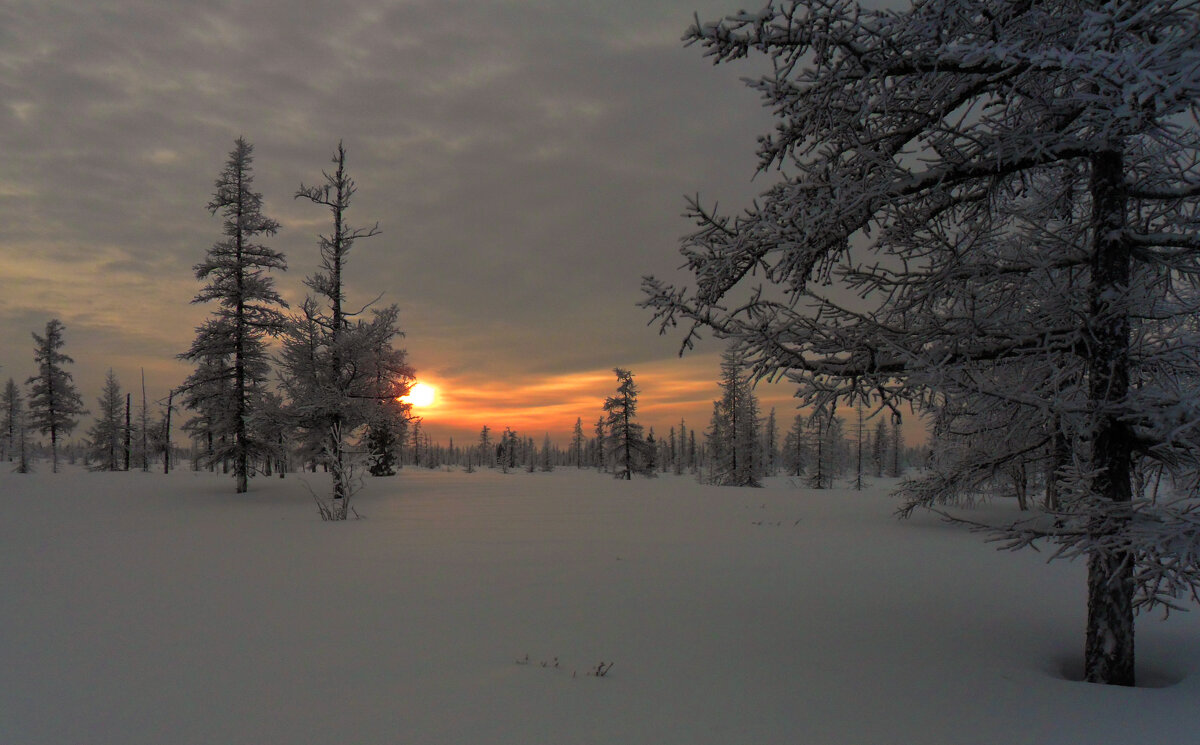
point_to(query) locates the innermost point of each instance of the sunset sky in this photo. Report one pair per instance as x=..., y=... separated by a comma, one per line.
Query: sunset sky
x=526, y=161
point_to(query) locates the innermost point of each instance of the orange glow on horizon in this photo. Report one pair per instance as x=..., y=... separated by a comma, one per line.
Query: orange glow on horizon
x=533, y=405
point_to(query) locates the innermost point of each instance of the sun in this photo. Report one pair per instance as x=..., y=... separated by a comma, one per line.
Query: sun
x=420, y=395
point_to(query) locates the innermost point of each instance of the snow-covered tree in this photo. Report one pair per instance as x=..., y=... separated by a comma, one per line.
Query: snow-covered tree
x=13, y=411
x=386, y=429
x=860, y=434
x=601, y=439
x=107, y=433
x=54, y=402
x=416, y=440
x=795, y=447
x=896, y=441
x=879, y=447
x=577, y=443
x=681, y=456
x=625, y=446
x=904, y=139
x=546, y=464
x=487, y=454
x=733, y=438
x=820, y=475
x=230, y=349
x=337, y=366
x=332, y=397
x=510, y=447
x=770, y=445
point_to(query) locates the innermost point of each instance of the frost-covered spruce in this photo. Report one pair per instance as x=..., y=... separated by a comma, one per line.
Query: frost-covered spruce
x=230, y=348
x=104, y=438
x=733, y=439
x=54, y=402
x=1006, y=194
x=577, y=443
x=13, y=424
x=626, y=451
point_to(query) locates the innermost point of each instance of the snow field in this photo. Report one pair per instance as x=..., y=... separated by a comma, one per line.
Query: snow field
x=137, y=608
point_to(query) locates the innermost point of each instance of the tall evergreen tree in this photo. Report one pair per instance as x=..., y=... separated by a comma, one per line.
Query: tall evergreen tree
x=106, y=434
x=54, y=403
x=577, y=442
x=625, y=445
x=387, y=427
x=601, y=440
x=230, y=348
x=895, y=445
x=736, y=455
x=795, y=447
x=879, y=447
x=770, y=445
x=860, y=433
x=818, y=435
x=487, y=454
x=683, y=459
x=12, y=409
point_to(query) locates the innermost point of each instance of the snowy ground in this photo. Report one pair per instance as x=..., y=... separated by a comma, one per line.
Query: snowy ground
x=137, y=608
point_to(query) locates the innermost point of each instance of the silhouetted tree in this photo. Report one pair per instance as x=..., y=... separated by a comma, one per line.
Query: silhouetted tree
x=54, y=403
x=230, y=348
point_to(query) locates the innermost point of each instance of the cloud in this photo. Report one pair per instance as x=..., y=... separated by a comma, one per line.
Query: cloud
x=526, y=162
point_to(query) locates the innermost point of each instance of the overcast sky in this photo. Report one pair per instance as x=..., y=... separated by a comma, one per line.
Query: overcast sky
x=527, y=163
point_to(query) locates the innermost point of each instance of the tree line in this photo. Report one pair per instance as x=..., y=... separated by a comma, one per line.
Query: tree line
x=738, y=448
x=334, y=383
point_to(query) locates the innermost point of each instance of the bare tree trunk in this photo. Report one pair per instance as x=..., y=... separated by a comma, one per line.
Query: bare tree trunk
x=1109, y=651
x=1060, y=455
x=128, y=428
x=167, y=434
x=145, y=427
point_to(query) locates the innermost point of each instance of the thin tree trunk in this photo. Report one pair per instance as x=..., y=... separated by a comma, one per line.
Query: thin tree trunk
x=145, y=427
x=167, y=435
x=128, y=428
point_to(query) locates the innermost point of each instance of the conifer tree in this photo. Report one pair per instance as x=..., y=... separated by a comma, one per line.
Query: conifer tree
x=734, y=438
x=416, y=438
x=601, y=440
x=54, y=403
x=487, y=455
x=682, y=462
x=879, y=447
x=547, y=462
x=386, y=429
x=11, y=405
x=106, y=434
x=860, y=432
x=895, y=443
x=230, y=349
x=577, y=442
x=818, y=434
x=626, y=446
x=770, y=445
x=794, y=446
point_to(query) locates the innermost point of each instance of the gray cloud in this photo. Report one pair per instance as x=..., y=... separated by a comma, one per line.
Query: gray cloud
x=526, y=162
